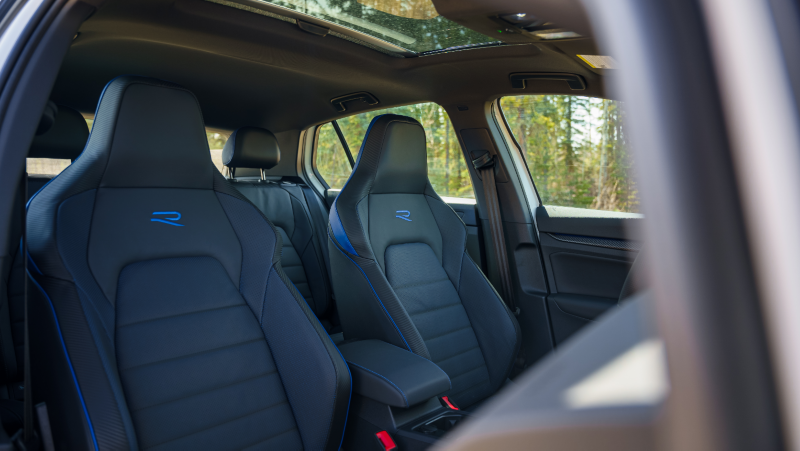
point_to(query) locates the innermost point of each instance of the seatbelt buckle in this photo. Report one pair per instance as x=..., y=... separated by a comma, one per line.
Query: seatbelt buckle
x=446, y=402
x=386, y=441
x=483, y=162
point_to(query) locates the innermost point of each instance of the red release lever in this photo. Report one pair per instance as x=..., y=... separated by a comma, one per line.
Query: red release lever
x=449, y=403
x=386, y=440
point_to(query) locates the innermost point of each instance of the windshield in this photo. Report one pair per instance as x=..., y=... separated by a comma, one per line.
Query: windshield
x=412, y=24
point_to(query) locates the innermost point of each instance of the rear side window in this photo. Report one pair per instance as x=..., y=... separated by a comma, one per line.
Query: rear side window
x=49, y=167
x=52, y=167
x=576, y=150
x=331, y=157
x=447, y=169
x=216, y=141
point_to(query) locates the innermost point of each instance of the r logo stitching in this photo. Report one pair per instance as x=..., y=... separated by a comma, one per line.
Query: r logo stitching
x=403, y=214
x=177, y=217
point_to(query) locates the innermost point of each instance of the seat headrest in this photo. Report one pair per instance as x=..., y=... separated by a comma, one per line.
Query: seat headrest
x=63, y=134
x=393, y=157
x=151, y=133
x=251, y=147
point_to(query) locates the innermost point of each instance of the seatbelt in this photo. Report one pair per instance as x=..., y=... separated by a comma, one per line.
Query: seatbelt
x=27, y=439
x=485, y=167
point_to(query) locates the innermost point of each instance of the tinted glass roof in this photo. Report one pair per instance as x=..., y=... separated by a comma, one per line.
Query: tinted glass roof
x=412, y=24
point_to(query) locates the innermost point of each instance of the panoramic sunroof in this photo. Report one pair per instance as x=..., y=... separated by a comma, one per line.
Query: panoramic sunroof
x=411, y=24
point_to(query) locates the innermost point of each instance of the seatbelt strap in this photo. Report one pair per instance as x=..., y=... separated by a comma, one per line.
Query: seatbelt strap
x=29, y=440
x=28, y=402
x=485, y=167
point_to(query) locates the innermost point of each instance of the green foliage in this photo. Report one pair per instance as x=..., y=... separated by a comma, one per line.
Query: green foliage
x=332, y=162
x=215, y=140
x=447, y=170
x=576, y=150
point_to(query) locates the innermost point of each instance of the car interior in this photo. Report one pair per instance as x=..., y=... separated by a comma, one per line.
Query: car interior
x=310, y=224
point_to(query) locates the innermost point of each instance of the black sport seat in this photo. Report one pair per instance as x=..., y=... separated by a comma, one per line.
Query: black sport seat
x=63, y=139
x=163, y=319
x=401, y=272
x=62, y=135
x=248, y=151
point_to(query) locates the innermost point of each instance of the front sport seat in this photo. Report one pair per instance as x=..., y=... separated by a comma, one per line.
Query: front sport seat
x=161, y=318
x=401, y=272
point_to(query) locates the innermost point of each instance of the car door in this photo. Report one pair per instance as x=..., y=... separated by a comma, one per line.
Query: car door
x=576, y=154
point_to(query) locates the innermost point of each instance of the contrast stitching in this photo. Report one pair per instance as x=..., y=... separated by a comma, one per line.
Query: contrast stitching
x=462, y=353
x=205, y=351
x=205, y=391
x=378, y=298
x=448, y=333
x=383, y=377
x=436, y=310
x=428, y=360
x=322, y=342
x=69, y=361
x=120, y=326
x=220, y=424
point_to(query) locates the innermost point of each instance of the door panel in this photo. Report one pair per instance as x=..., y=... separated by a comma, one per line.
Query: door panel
x=587, y=259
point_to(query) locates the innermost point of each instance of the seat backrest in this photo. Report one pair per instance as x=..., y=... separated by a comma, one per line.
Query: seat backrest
x=62, y=135
x=401, y=272
x=161, y=316
x=248, y=151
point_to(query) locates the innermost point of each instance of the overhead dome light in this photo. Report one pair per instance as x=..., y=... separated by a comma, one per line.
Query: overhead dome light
x=556, y=34
x=522, y=20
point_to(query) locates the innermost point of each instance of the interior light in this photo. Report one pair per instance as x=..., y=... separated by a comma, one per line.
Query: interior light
x=556, y=34
x=521, y=15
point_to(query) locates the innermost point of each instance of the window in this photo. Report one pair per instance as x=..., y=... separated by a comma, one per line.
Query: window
x=332, y=162
x=576, y=150
x=216, y=141
x=447, y=169
x=49, y=167
x=410, y=24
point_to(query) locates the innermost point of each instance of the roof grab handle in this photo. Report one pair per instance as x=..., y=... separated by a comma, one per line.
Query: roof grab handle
x=338, y=102
x=575, y=82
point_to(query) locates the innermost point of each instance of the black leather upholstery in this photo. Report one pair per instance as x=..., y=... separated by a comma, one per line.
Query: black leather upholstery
x=63, y=136
x=285, y=204
x=392, y=375
x=162, y=318
x=64, y=139
x=401, y=272
x=251, y=147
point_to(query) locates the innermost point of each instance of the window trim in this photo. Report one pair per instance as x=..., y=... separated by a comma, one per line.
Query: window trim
x=526, y=181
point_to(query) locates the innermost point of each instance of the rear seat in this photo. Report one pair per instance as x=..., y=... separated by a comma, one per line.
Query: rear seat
x=62, y=135
x=295, y=210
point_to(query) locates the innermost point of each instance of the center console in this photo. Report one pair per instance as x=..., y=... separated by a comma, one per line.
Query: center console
x=397, y=400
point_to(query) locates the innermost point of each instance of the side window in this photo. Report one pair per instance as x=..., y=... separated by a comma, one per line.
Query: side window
x=216, y=141
x=575, y=149
x=447, y=169
x=49, y=167
x=331, y=158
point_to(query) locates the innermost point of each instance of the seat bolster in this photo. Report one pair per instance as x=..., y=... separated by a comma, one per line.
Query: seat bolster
x=495, y=327
x=52, y=372
x=454, y=236
x=72, y=371
x=314, y=374
x=367, y=304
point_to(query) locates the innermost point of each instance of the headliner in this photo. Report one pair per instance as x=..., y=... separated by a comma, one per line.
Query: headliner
x=248, y=69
